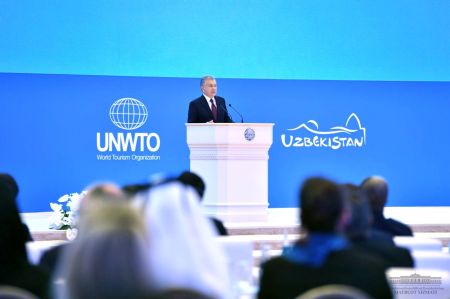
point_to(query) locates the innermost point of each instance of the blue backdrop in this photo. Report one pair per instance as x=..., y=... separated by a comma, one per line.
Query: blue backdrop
x=50, y=122
x=64, y=63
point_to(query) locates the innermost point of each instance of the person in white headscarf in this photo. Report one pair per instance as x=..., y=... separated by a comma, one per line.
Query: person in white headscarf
x=184, y=251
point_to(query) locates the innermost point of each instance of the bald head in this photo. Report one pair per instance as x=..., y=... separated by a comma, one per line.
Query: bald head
x=377, y=191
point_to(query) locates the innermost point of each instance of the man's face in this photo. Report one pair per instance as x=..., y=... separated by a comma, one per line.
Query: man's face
x=209, y=88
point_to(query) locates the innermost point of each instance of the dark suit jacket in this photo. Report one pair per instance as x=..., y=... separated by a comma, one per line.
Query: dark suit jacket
x=392, y=255
x=381, y=237
x=50, y=258
x=285, y=279
x=391, y=226
x=28, y=277
x=199, y=111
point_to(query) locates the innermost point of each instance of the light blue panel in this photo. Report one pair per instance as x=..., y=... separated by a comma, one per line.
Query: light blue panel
x=406, y=40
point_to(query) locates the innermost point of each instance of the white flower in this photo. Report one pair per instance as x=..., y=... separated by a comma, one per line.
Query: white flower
x=56, y=207
x=64, y=198
x=56, y=220
x=65, y=213
x=74, y=203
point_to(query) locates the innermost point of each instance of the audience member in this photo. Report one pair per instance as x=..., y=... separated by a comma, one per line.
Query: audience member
x=361, y=235
x=15, y=270
x=195, y=181
x=11, y=184
x=377, y=191
x=324, y=256
x=185, y=252
x=105, y=192
x=108, y=259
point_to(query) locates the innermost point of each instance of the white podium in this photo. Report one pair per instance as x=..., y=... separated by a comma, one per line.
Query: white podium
x=233, y=161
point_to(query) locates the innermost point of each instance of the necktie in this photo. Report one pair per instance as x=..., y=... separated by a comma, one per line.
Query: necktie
x=214, y=110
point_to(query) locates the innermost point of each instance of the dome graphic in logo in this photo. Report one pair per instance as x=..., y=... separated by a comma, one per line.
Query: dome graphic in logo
x=128, y=113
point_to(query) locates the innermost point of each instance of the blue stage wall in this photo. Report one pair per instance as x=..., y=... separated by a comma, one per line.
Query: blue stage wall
x=49, y=126
x=63, y=64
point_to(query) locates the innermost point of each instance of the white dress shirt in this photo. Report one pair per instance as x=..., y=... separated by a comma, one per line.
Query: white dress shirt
x=209, y=101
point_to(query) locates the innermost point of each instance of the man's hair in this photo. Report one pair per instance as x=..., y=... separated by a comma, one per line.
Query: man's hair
x=208, y=77
x=193, y=180
x=376, y=189
x=321, y=204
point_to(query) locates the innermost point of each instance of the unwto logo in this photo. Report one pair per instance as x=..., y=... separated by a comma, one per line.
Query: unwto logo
x=128, y=114
x=308, y=134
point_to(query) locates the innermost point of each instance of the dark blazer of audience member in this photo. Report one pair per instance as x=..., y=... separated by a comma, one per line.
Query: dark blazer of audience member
x=376, y=189
x=361, y=235
x=324, y=257
x=13, y=187
x=15, y=270
x=195, y=181
x=200, y=109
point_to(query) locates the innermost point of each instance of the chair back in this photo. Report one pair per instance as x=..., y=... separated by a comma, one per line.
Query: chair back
x=334, y=291
x=10, y=292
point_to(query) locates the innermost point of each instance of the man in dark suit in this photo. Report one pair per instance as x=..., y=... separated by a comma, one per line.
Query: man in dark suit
x=324, y=257
x=208, y=108
x=361, y=235
x=377, y=191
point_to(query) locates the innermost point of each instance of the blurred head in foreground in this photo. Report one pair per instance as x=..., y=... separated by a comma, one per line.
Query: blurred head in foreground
x=322, y=206
x=109, y=257
x=185, y=253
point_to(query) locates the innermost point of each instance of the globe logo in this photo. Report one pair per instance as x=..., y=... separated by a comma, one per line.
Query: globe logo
x=128, y=113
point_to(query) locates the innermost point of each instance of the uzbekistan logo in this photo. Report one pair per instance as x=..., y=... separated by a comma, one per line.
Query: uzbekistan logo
x=128, y=113
x=353, y=134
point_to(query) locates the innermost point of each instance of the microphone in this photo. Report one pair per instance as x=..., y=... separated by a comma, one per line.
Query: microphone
x=226, y=111
x=242, y=118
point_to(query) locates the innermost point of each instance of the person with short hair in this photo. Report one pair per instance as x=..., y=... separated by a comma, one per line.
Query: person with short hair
x=324, y=256
x=362, y=236
x=376, y=188
x=208, y=108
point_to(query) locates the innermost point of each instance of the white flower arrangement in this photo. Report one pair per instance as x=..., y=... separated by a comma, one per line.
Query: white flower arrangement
x=65, y=211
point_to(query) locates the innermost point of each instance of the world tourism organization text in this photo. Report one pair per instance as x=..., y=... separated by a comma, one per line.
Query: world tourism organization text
x=137, y=158
x=120, y=142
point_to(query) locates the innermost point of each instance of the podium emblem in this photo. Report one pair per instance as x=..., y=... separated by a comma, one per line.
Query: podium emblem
x=249, y=134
